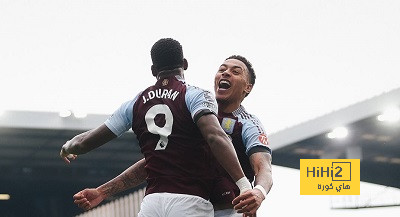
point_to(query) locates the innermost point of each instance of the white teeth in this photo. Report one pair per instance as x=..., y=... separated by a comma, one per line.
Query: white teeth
x=224, y=84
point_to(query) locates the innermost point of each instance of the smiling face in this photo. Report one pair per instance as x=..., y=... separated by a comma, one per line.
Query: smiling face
x=231, y=82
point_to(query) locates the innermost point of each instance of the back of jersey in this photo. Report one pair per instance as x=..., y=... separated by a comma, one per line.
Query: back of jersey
x=177, y=157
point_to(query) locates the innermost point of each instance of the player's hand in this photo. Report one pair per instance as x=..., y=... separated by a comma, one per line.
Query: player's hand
x=67, y=157
x=88, y=198
x=248, y=202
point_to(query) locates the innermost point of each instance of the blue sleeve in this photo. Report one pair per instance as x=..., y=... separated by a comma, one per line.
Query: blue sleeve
x=121, y=120
x=254, y=136
x=198, y=100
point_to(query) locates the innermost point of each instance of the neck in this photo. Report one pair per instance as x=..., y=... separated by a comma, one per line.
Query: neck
x=168, y=73
x=227, y=107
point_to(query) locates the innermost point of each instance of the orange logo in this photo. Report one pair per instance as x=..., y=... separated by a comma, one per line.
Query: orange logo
x=263, y=139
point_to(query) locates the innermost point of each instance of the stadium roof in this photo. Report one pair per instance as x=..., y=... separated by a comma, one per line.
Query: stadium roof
x=30, y=144
x=375, y=142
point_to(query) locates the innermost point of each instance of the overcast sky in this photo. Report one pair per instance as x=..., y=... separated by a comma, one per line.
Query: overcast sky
x=310, y=57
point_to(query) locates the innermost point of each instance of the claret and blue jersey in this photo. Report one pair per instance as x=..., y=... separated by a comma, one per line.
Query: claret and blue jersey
x=248, y=137
x=247, y=134
x=163, y=119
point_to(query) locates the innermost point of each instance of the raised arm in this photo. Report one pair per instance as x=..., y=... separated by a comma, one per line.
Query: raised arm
x=131, y=177
x=114, y=126
x=86, y=142
x=223, y=150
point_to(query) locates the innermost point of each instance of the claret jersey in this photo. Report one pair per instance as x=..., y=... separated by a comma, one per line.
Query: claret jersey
x=163, y=117
x=248, y=137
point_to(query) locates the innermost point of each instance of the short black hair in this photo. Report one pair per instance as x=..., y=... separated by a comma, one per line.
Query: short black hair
x=167, y=54
x=249, y=66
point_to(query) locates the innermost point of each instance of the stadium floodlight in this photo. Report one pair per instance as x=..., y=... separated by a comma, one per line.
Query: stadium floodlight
x=338, y=133
x=65, y=113
x=80, y=114
x=4, y=196
x=390, y=115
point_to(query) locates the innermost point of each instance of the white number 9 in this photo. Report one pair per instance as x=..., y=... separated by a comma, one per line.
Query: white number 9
x=164, y=131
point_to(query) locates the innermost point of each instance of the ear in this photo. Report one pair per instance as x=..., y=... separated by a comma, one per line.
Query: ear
x=185, y=64
x=248, y=88
x=154, y=71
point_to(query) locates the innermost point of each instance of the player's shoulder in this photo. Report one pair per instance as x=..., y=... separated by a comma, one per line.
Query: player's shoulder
x=197, y=91
x=247, y=119
x=200, y=98
x=244, y=116
x=252, y=126
x=195, y=88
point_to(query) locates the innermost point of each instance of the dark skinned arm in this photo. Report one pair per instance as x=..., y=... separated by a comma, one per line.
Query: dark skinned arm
x=86, y=142
x=221, y=146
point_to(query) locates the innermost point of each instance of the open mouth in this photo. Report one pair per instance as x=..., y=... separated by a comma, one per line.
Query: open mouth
x=224, y=84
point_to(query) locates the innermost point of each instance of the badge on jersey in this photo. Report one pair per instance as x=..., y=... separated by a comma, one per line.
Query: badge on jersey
x=165, y=82
x=228, y=124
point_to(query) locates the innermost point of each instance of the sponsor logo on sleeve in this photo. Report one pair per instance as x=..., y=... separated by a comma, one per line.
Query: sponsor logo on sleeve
x=263, y=139
x=208, y=96
x=209, y=105
x=209, y=101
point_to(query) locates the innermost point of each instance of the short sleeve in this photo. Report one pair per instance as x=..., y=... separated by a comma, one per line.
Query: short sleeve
x=254, y=136
x=121, y=120
x=199, y=100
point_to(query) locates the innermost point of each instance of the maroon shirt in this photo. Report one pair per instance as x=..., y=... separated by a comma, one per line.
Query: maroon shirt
x=247, y=135
x=178, y=160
